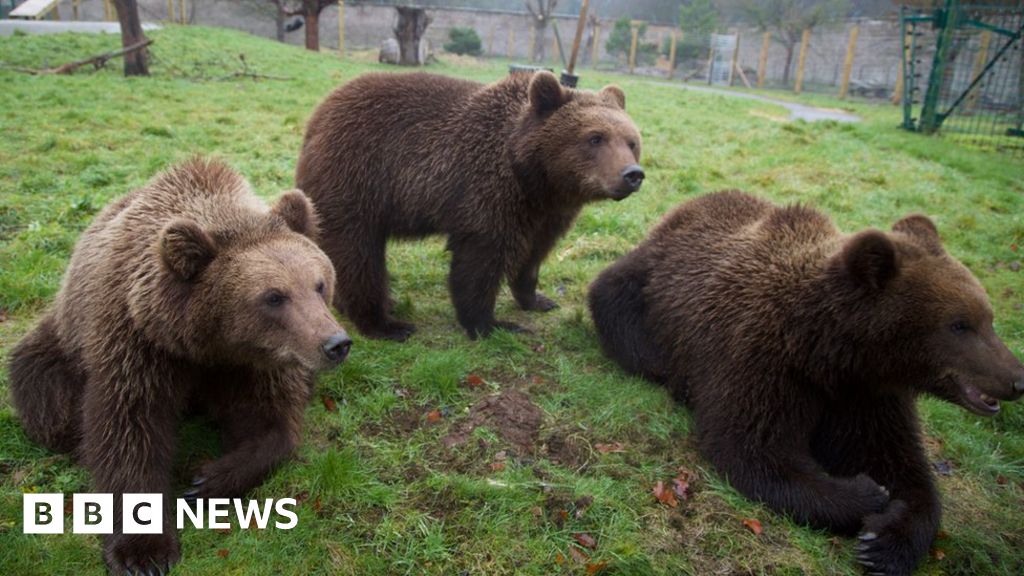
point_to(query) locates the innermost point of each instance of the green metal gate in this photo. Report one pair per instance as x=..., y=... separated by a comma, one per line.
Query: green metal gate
x=963, y=69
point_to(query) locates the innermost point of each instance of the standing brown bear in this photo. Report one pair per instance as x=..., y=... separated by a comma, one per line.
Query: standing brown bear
x=502, y=169
x=188, y=292
x=801, y=350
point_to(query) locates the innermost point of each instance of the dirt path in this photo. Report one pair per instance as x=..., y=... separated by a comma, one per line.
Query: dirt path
x=796, y=111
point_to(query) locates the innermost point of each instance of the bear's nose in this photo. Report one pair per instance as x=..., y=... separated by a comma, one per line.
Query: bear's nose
x=336, y=347
x=633, y=176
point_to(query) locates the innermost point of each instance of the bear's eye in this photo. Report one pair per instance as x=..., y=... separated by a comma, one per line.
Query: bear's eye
x=596, y=140
x=320, y=287
x=274, y=299
x=959, y=327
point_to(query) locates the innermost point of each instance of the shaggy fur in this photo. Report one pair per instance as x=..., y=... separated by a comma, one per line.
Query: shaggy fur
x=187, y=292
x=800, y=351
x=501, y=169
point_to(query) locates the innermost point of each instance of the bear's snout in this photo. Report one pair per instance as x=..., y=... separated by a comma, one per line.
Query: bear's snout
x=337, y=346
x=632, y=178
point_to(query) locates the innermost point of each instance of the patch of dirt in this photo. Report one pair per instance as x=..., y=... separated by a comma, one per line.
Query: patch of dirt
x=567, y=449
x=511, y=414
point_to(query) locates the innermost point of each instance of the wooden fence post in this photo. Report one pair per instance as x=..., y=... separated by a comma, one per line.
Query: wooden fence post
x=734, y=64
x=979, y=65
x=595, y=50
x=635, y=29
x=341, y=28
x=672, y=53
x=804, y=41
x=844, y=85
x=762, y=63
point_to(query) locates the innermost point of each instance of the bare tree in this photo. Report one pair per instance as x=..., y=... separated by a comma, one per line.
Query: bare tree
x=412, y=23
x=136, y=61
x=787, y=19
x=540, y=11
x=309, y=10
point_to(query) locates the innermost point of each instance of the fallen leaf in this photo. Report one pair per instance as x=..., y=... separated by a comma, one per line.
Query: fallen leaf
x=938, y=553
x=497, y=466
x=559, y=559
x=753, y=525
x=538, y=380
x=223, y=530
x=609, y=448
x=664, y=495
x=329, y=403
x=433, y=416
x=301, y=497
x=578, y=555
x=317, y=505
x=596, y=567
x=539, y=348
x=585, y=540
x=1001, y=480
x=681, y=488
x=501, y=455
x=474, y=381
x=581, y=504
x=223, y=552
x=537, y=511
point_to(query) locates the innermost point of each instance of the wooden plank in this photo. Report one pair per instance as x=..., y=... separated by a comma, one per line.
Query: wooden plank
x=844, y=84
x=33, y=9
x=805, y=40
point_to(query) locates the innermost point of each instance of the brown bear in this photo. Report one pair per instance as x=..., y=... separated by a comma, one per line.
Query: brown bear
x=501, y=169
x=800, y=351
x=186, y=293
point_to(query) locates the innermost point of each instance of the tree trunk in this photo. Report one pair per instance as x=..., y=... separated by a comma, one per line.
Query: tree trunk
x=541, y=27
x=135, y=62
x=412, y=23
x=313, y=29
x=279, y=22
x=789, y=64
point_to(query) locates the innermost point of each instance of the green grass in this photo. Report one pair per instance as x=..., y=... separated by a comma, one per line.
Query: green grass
x=381, y=492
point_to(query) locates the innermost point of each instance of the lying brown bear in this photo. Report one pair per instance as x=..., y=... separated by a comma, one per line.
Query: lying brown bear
x=188, y=292
x=501, y=169
x=800, y=351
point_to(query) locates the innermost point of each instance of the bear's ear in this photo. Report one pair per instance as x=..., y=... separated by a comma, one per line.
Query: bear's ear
x=186, y=249
x=298, y=213
x=923, y=230
x=613, y=95
x=870, y=259
x=546, y=94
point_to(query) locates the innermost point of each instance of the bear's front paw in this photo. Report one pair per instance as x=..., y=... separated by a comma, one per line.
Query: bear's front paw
x=142, y=554
x=886, y=544
x=873, y=497
x=541, y=303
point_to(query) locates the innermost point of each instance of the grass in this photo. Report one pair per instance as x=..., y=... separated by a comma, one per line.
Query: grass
x=381, y=490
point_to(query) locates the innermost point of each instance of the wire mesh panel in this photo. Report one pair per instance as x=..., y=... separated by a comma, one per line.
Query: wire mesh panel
x=964, y=71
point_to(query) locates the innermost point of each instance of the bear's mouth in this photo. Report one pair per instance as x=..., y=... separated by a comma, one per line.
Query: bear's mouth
x=977, y=401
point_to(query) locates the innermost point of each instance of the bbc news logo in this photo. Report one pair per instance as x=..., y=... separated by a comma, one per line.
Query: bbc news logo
x=143, y=513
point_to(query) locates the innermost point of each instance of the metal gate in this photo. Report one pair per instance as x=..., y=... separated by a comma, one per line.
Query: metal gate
x=963, y=70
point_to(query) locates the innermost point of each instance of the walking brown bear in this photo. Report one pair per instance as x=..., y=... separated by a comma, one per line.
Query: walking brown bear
x=501, y=169
x=800, y=352
x=185, y=293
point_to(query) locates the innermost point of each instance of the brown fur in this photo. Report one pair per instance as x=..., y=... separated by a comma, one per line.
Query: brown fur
x=167, y=303
x=501, y=169
x=800, y=351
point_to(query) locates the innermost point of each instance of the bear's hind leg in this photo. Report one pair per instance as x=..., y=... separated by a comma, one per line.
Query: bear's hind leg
x=617, y=305
x=46, y=388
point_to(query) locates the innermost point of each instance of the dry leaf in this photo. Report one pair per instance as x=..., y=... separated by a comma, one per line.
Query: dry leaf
x=938, y=554
x=329, y=403
x=609, y=448
x=497, y=466
x=433, y=416
x=223, y=552
x=596, y=567
x=664, y=495
x=474, y=381
x=559, y=559
x=578, y=555
x=585, y=540
x=753, y=525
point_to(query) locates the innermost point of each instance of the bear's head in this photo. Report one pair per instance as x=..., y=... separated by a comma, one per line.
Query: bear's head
x=583, y=143
x=925, y=319
x=256, y=293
